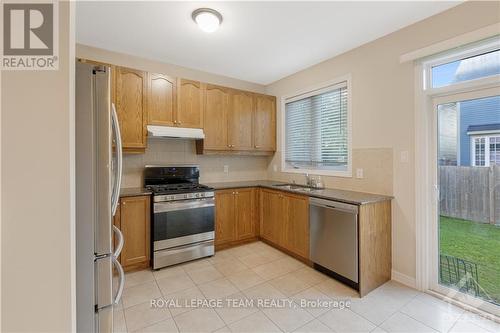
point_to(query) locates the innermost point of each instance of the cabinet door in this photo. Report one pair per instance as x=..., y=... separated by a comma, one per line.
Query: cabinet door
x=225, y=224
x=130, y=97
x=162, y=100
x=189, y=104
x=135, y=226
x=245, y=213
x=217, y=101
x=240, y=121
x=296, y=231
x=264, y=129
x=271, y=223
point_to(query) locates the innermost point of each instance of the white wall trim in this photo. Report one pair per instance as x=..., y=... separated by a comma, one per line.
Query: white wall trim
x=404, y=279
x=72, y=162
x=470, y=37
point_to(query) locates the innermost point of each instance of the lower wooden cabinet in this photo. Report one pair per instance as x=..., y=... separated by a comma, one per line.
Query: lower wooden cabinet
x=272, y=222
x=133, y=219
x=285, y=220
x=235, y=215
x=296, y=215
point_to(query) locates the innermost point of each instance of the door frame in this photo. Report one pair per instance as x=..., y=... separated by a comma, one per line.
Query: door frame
x=426, y=182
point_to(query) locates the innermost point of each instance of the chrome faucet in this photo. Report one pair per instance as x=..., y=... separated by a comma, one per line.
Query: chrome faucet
x=308, y=179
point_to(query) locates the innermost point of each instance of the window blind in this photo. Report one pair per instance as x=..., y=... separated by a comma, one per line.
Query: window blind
x=316, y=132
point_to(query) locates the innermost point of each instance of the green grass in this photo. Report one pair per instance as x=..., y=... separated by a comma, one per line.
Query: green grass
x=476, y=242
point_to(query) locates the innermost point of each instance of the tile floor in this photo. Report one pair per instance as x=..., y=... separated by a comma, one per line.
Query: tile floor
x=257, y=272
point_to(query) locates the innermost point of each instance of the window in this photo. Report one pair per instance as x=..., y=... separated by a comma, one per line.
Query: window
x=466, y=66
x=479, y=66
x=316, y=133
x=495, y=150
x=486, y=150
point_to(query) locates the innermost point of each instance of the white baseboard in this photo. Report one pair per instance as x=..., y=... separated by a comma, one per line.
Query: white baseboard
x=404, y=279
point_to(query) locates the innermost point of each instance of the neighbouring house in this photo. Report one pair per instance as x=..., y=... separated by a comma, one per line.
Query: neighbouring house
x=469, y=131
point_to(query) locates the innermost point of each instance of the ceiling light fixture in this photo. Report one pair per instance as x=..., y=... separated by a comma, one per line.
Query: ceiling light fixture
x=207, y=19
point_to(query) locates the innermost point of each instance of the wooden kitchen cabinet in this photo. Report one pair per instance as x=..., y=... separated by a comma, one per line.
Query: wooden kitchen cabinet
x=246, y=213
x=272, y=222
x=134, y=221
x=130, y=96
x=296, y=213
x=225, y=226
x=264, y=123
x=240, y=121
x=162, y=100
x=285, y=221
x=217, y=107
x=189, y=104
x=235, y=215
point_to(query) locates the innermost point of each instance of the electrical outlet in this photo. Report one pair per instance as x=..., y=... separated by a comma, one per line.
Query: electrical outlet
x=226, y=168
x=359, y=173
x=404, y=156
x=275, y=168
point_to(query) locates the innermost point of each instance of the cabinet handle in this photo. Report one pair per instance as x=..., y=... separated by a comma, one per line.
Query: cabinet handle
x=257, y=147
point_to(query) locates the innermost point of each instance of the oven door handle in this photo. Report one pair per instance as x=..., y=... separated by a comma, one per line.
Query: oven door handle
x=162, y=207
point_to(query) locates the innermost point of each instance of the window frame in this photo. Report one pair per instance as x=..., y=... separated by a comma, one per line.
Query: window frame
x=308, y=92
x=487, y=138
x=467, y=51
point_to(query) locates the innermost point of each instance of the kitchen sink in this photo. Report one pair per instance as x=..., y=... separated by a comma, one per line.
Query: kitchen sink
x=295, y=187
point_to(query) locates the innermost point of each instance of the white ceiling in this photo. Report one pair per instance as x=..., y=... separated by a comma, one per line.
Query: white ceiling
x=259, y=42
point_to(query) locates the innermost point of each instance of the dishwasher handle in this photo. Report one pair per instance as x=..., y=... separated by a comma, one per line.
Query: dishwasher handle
x=334, y=205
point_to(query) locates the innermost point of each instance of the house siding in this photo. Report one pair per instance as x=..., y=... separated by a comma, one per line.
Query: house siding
x=476, y=112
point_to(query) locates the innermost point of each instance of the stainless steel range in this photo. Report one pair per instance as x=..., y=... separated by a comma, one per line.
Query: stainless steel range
x=183, y=214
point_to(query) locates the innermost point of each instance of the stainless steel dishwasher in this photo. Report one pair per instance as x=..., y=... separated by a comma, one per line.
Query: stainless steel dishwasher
x=334, y=239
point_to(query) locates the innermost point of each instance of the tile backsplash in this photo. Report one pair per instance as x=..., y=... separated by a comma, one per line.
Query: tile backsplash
x=377, y=164
x=182, y=151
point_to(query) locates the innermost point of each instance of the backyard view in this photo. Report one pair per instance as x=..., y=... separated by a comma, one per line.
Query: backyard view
x=469, y=203
x=476, y=243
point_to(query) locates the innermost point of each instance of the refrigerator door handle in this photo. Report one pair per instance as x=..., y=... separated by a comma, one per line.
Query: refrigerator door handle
x=121, y=275
x=115, y=197
x=119, y=247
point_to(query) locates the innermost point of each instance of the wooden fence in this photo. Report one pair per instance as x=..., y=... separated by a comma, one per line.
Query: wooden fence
x=470, y=193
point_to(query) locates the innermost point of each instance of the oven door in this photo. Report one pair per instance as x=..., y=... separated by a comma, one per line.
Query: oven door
x=178, y=223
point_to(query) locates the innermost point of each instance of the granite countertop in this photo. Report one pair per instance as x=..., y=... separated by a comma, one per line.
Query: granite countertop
x=134, y=191
x=352, y=197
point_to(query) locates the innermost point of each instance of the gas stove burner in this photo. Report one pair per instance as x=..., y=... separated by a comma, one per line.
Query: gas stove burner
x=178, y=188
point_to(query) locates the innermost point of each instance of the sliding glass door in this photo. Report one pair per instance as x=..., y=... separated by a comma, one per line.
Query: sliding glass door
x=466, y=228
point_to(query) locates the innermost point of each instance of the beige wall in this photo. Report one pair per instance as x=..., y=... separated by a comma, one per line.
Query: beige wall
x=383, y=109
x=37, y=203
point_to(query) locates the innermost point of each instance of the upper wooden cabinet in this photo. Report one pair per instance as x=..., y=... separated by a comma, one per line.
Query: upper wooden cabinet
x=240, y=121
x=130, y=95
x=189, y=104
x=162, y=100
x=264, y=123
x=217, y=107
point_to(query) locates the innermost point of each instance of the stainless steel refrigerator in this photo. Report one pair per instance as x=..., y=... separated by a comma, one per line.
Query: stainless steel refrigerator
x=98, y=176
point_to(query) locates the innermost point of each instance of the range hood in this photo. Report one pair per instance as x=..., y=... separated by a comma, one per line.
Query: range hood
x=175, y=132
